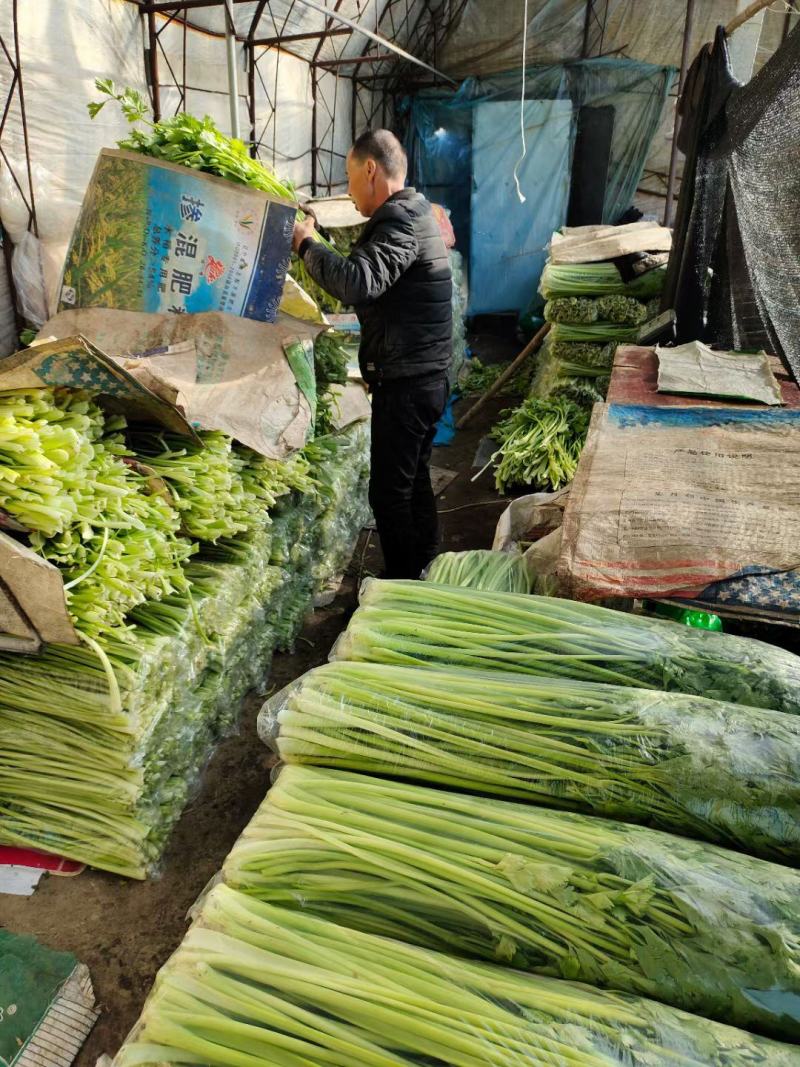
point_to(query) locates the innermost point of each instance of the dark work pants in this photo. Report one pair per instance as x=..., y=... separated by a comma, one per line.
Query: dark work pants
x=404, y=417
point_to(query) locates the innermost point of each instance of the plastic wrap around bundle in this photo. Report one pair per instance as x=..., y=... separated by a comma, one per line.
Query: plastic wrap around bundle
x=419, y=623
x=598, y=279
x=250, y=981
x=481, y=569
x=718, y=772
x=597, y=901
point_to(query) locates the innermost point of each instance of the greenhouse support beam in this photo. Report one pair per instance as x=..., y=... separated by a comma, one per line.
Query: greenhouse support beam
x=233, y=76
x=339, y=17
x=669, y=207
x=289, y=38
x=152, y=63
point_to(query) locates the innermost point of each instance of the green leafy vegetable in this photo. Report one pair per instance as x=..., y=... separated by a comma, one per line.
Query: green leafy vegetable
x=481, y=569
x=253, y=984
x=422, y=623
x=715, y=771
x=596, y=901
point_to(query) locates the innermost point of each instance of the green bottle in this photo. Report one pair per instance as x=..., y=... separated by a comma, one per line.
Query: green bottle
x=700, y=620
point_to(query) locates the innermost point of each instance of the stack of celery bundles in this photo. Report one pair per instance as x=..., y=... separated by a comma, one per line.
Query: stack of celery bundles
x=181, y=591
x=591, y=310
x=407, y=623
x=254, y=984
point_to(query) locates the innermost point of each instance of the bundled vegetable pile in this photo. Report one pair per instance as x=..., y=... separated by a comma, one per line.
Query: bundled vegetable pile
x=587, y=899
x=188, y=141
x=253, y=984
x=67, y=478
x=598, y=279
x=592, y=310
x=102, y=772
x=540, y=443
x=481, y=569
x=330, y=366
x=720, y=772
x=405, y=622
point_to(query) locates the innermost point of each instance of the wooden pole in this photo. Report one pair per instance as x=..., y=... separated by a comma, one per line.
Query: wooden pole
x=532, y=345
x=746, y=15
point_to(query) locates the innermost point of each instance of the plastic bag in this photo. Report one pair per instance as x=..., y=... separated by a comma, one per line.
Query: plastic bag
x=290, y=979
x=710, y=770
x=533, y=889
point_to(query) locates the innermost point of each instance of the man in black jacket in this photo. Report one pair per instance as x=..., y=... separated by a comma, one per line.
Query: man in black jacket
x=398, y=279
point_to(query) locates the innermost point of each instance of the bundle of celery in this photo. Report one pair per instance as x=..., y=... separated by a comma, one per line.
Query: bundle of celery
x=253, y=984
x=540, y=443
x=573, y=370
x=421, y=623
x=481, y=569
x=102, y=773
x=69, y=480
x=205, y=478
x=573, y=310
x=330, y=367
x=598, y=279
x=190, y=142
x=715, y=771
x=601, y=902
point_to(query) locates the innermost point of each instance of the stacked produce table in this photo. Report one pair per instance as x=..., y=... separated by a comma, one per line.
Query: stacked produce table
x=102, y=743
x=367, y=918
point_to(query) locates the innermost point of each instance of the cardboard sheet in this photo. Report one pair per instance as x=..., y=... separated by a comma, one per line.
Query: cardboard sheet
x=694, y=369
x=223, y=372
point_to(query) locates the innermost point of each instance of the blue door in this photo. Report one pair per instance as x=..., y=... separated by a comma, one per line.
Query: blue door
x=508, y=239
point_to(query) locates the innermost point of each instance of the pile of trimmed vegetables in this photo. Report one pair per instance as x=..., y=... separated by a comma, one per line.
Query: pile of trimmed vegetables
x=420, y=623
x=180, y=594
x=253, y=984
x=592, y=310
x=540, y=443
x=481, y=569
x=67, y=477
x=717, y=771
x=585, y=899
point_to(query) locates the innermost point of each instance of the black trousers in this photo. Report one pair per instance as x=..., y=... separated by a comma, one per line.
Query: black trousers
x=404, y=417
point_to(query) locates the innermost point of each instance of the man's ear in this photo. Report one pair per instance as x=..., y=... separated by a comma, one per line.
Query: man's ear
x=372, y=168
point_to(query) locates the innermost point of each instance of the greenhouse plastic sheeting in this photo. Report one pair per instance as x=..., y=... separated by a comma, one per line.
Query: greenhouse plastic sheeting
x=440, y=133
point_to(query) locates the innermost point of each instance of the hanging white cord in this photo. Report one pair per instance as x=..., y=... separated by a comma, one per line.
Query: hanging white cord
x=520, y=194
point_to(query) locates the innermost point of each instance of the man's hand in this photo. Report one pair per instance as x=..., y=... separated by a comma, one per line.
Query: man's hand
x=302, y=229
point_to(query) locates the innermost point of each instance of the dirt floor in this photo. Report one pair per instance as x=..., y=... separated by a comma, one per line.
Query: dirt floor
x=124, y=930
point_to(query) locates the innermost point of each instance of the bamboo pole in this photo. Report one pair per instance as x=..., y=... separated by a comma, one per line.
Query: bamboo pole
x=746, y=15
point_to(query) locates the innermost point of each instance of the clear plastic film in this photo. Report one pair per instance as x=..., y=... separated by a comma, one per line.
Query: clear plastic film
x=421, y=623
x=710, y=770
x=254, y=984
x=481, y=569
x=592, y=900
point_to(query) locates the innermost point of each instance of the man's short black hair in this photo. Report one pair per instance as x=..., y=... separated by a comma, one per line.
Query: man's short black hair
x=385, y=149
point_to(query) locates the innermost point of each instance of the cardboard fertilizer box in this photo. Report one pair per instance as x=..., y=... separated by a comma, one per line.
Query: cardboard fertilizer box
x=157, y=237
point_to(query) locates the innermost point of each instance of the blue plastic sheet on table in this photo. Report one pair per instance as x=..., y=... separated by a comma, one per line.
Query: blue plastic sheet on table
x=440, y=139
x=446, y=427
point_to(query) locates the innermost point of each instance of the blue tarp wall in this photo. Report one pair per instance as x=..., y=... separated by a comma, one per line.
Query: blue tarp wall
x=449, y=150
